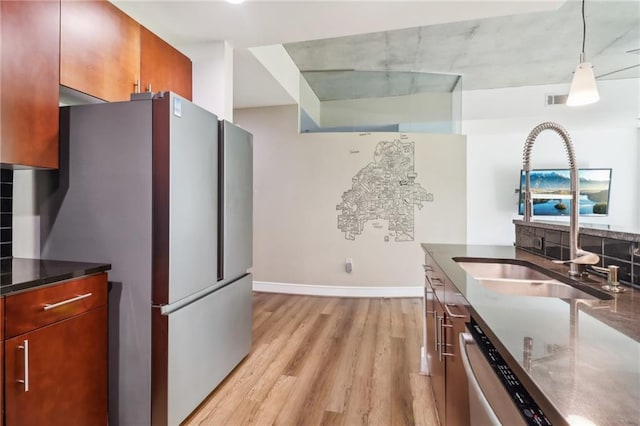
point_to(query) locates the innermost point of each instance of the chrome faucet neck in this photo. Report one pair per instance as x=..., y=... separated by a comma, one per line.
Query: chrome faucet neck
x=573, y=168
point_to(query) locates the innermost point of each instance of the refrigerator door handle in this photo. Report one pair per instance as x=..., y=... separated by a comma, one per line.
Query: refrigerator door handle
x=176, y=306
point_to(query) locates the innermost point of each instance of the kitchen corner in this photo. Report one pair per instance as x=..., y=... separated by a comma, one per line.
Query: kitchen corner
x=575, y=357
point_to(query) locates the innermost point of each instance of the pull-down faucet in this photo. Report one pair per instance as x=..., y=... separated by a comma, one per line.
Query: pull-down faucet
x=574, y=251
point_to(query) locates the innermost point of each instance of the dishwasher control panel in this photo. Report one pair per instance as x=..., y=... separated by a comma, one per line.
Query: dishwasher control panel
x=530, y=411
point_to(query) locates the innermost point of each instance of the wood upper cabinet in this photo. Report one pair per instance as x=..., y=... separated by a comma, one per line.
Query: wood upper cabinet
x=55, y=362
x=29, y=68
x=163, y=67
x=99, y=49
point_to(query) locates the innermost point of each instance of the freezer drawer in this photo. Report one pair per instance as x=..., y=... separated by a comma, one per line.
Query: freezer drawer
x=204, y=341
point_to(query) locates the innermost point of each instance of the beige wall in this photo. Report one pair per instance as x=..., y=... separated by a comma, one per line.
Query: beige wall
x=300, y=178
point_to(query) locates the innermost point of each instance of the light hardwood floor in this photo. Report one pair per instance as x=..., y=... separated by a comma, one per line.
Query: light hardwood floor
x=327, y=361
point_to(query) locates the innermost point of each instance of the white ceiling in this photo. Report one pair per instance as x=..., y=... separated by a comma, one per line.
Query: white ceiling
x=260, y=23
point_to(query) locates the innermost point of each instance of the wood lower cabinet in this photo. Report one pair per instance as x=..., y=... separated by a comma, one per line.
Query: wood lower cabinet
x=99, y=49
x=56, y=370
x=455, y=319
x=57, y=375
x=162, y=67
x=29, y=74
x=1, y=361
x=435, y=362
x=446, y=318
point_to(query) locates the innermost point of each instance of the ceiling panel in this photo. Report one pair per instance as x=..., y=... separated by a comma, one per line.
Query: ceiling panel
x=506, y=51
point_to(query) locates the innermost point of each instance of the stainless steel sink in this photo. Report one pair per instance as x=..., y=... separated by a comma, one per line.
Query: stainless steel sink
x=549, y=288
x=520, y=280
x=502, y=271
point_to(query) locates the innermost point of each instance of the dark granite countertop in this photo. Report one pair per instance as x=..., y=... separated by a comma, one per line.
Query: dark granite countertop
x=19, y=274
x=586, y=355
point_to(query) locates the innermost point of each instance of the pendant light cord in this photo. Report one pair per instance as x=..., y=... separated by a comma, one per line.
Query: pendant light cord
x=584, y=28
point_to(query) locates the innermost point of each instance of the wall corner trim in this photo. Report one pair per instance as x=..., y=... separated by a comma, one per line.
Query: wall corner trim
x=337, y=290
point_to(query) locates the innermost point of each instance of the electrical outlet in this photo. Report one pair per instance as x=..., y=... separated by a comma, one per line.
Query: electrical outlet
x=348, y=265
x=538, y=243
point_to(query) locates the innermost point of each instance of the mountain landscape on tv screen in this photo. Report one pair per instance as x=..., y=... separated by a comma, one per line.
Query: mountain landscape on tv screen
x=594, y=191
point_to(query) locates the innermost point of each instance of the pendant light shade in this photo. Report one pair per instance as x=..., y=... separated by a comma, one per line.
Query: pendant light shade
x=583, y=89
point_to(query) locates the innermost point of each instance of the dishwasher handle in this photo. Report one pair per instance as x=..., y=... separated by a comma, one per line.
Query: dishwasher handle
x=465, y=339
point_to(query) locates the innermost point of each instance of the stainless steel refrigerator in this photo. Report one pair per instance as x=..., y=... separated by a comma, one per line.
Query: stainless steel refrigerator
x=162, y=190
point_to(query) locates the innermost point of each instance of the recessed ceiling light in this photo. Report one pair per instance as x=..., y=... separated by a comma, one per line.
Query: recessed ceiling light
x=234, y=1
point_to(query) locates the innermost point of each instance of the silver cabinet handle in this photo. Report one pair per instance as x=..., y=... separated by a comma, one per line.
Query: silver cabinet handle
x=426, y=310
x=439, y=336
x=451, y=314
x=439, y=280
x=25, y=348
x=49, y=306
x=435, y=338
x=444, y=345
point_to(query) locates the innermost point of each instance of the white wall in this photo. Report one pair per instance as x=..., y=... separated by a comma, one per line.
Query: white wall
x=497, y=122
x=212, y=76
x=299, y=179
x=278, y=62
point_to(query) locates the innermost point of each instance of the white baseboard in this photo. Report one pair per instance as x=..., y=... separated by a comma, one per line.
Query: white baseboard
x=338, y=290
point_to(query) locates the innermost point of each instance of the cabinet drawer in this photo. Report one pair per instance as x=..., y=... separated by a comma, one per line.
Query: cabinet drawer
x=36, y=308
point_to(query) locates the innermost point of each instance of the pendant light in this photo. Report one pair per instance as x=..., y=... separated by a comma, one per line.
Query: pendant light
x=583, y=89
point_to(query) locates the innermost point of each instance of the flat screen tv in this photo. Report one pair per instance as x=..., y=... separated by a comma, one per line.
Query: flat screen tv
x=551, y=194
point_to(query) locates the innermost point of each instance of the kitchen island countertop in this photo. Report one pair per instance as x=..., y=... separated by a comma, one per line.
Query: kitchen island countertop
x=18, y=274
x=585, y=358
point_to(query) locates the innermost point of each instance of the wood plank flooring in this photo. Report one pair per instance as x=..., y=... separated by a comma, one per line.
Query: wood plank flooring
x=327, y=361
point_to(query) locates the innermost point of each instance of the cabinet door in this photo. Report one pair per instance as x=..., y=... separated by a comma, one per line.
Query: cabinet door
x=432, y=354
x=437, y=362
x=57, y=375
x=457, y=393
x=1, y=360
x=162, y=67
x=99, y=49
x=29, y=68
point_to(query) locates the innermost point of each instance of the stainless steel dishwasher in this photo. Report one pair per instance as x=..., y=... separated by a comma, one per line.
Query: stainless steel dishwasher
x=496, y=396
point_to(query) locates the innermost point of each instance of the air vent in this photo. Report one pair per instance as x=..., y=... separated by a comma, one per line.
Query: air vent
x=557, y=99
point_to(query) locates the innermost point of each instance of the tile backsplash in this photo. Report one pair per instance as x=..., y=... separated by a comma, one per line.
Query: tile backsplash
x=554, y=244
x=6, y=210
